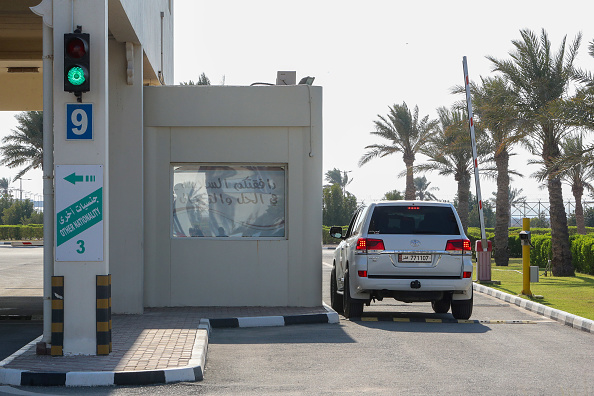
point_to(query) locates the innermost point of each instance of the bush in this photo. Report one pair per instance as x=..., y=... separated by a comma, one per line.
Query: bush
x=20, y=232
x=540, y=254
x=582, y=253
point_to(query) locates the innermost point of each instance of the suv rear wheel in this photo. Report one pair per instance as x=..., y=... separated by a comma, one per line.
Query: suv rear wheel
x=351, y=308
x=462, y=309
x=335, y=298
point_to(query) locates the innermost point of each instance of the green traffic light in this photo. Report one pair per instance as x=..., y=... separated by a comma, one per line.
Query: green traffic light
x=76, y=75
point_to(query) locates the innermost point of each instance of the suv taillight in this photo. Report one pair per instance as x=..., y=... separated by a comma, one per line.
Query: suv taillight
x=458, y=244
x=366, y=244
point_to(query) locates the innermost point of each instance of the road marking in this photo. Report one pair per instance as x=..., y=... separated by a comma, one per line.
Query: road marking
x=327, y=265
x=432, y=320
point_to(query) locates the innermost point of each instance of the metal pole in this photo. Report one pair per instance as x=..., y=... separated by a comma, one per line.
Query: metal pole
x=474, y=155
x=48, y=179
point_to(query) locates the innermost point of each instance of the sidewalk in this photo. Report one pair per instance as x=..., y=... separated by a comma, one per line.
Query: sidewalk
x=161, y=346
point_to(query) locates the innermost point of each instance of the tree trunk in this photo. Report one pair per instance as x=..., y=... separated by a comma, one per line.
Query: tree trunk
x=409, y=193
x=463, y=197
x=561, y=264
x=578, y=192
x=502, y=210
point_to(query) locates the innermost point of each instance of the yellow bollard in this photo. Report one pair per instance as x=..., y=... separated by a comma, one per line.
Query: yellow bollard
x=525, y=240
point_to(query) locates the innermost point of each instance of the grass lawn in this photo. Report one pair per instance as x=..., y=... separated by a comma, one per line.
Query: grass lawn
x=570, y=294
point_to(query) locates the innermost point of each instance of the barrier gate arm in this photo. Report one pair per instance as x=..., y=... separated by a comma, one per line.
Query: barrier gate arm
x=474, y=154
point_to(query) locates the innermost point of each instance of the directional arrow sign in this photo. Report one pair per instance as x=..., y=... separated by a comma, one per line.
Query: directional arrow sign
x=79, y=207
x=73, y=178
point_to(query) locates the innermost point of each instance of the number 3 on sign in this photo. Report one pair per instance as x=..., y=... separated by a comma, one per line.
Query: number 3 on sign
x=81, y=245
x=79, y=121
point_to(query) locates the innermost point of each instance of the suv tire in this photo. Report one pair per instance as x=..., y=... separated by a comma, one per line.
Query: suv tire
x=462, y=309
x=336, y=300
x=351, y=308
x=441, y=306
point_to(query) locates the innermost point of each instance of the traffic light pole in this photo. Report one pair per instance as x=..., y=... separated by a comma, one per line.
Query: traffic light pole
x=81, y=243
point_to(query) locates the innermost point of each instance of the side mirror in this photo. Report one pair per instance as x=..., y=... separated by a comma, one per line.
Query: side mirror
x=336, y=232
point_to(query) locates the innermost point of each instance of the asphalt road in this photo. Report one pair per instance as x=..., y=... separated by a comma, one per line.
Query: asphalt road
x=21, y=291
x=21, y=280
x=512, y=352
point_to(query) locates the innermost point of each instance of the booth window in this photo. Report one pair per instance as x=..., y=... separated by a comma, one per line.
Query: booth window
x=241, y=201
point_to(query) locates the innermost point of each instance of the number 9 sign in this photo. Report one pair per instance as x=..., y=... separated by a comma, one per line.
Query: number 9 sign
x=79, y=121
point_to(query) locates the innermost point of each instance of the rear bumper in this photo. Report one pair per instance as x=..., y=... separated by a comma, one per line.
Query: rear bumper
x=365, y=288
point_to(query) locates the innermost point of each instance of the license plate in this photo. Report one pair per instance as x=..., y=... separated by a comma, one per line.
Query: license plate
x=414, y=258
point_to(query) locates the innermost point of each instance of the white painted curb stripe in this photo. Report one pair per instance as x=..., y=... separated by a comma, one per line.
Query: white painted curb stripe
x=560, y=316
x=84, y=378
x=332, y=314
x=261, y=321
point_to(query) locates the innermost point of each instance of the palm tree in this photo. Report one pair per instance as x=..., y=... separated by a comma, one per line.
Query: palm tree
x=406, y=134
x=4, y=186
x=580, y=109
x=576, y=170
x=540, y=80
x=578, y=176
x=423, y=191
x=336, y=176
x=494, y=104
x=450, y=154
x=25, y=145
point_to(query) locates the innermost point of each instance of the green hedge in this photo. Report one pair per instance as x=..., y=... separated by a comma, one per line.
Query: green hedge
x=514, y=246
x=582, y=253
x=540, y=253
x=21, y=232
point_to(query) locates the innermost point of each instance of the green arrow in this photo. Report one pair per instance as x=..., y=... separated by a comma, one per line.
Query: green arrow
x=73, y=178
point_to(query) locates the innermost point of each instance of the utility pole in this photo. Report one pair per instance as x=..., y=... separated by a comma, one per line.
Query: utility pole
x=21, y=188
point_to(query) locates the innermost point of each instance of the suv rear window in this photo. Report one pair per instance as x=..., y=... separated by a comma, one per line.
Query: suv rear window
x=436, y=220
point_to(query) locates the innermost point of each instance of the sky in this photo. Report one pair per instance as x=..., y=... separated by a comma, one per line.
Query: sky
x=367, y=56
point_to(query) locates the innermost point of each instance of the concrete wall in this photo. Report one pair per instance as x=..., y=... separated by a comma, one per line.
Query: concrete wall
x=137, y=22
x=126, y=170
x=241, y=125
x=21, y=91
x=141, y=22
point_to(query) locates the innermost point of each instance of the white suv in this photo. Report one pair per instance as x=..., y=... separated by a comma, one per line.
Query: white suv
x=412, y=251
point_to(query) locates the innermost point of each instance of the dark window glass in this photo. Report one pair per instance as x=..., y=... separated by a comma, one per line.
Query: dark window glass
x=430, y=220
x=351, y=228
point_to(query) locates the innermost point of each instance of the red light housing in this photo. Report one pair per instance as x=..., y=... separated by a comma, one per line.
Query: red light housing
x=413, y=208
x=76, y=48
x=362, y=274
x=366, y=244
x=467, y=274
x=458, y=245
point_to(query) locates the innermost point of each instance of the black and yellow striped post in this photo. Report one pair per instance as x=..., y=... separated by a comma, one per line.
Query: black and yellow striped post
x=57, y=315
x=103, y=314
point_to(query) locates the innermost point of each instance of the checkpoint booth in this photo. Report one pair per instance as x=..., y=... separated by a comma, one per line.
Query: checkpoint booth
x=232, y=196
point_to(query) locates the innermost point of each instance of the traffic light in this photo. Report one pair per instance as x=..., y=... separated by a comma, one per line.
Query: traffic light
x=77, y=62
